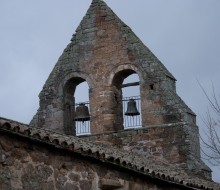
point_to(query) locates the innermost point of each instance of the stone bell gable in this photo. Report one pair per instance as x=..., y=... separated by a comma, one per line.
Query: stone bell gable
x=103, y=52
x=161, y=152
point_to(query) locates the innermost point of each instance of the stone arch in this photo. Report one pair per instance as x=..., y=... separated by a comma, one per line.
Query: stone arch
x=67, y=90
x=125, y=70
x=79, y=76
x=116, y=79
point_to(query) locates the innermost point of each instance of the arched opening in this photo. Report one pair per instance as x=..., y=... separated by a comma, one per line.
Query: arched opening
x=131, y=102
x=127, y=94
x=82, y=109
x=76, y=98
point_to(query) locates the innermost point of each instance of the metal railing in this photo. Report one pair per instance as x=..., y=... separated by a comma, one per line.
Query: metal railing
x=82, y=127
x=135, y=121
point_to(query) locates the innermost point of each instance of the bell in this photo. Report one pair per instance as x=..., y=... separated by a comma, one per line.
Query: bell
x=82, y=113
x=132, y=108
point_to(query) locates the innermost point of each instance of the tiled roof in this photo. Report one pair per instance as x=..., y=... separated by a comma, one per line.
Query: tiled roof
x=107, y=154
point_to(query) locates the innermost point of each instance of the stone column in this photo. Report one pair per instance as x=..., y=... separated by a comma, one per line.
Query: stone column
x=104, y=110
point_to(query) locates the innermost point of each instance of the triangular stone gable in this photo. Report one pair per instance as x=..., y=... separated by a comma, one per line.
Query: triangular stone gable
x=102, y=47
x=98, y=22
x=103, y=52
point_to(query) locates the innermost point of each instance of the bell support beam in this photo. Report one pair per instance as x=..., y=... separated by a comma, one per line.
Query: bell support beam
x=130, y=84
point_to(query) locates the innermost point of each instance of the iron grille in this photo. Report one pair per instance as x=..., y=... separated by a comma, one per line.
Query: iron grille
x=83, y=128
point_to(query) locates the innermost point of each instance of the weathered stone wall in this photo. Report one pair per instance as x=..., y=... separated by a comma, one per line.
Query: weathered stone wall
x=26, y=164
x=175, y=144
x=103, y=52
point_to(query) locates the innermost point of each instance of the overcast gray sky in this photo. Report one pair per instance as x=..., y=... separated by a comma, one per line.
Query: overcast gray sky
x=183, y=34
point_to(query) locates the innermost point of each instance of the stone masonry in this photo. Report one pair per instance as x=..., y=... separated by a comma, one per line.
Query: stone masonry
x=38, y=159
x=103, y=52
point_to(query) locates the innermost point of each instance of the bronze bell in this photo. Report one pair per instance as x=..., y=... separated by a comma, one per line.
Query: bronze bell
x=82, y=113
x=132, y=108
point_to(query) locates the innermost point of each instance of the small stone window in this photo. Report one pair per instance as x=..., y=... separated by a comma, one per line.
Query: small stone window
x=151, y=87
